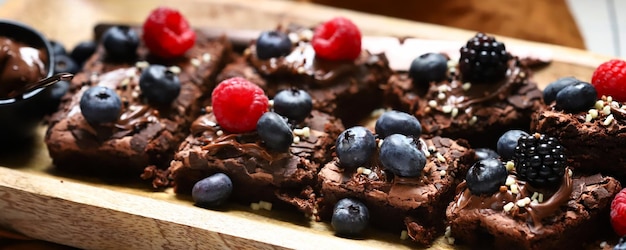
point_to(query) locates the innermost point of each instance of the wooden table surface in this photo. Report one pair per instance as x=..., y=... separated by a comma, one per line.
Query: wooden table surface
x=91, y=214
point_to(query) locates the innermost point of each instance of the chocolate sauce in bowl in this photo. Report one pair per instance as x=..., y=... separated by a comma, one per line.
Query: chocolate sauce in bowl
x=21, y=65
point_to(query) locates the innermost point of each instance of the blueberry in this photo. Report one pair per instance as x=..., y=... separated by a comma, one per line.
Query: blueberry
x=486, y=176
x=396, y=122
x=549, y=93
x=274, y=131
x=57, y=48
x=295, y=104
x=350, y=217
x=507, y=143
x=429, y=67
x=402, y=156
x=83, y=51
x=272, y=44
x=577, y=97
x=120, y=42
x=486, y=153
x=100, y=105
x=212, y=191
x=65, y=64
x=355, y=146
x=159, y=84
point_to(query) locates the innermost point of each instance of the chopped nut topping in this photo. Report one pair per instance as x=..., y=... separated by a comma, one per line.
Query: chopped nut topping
x=306, y=34
x=440, y=157
x=175, y=69
x=606, y=110
x=473, y=120
x=466, y=86
x=432, y=103
x=206, y=57
x=446, y=109
x=523, y=202
x=510, y=166
x=608, y=120
x=270, y=103
x=296, y=139
x=195, y=62
x=293, y=37
x=588, y=118
x=367, y=171
x=442, y=172
x=359, y=170
x=441, y=96
x=255, y=206
x=509, y=180
x=599, y=104
x=142, y=64
x=265, y=205
x=514, y=188
x=404, y=235
x=540, y=198
x=455, y=112
x=219, y=133
x=508, y=206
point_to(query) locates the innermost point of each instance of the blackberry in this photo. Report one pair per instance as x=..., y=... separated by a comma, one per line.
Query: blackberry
x=539, y=160
x=483, y=60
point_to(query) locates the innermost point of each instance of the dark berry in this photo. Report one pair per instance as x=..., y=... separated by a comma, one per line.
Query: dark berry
x=507, y=143
x=83, y=51
x=401, y=155
x=486, y=176
x=100, y=105
x=540, y=160
x=159, y=84
x=212, y=191
x=274, y=131
x=355, y=146
x=350, y=217
x=429, y=67
x=549, y=93
x=57, y=48
x=295, y=104
x=120, y=42
x=238, y=104
x=483, y=60
x=272, y=44
x=577, y=97
x=396, y=122
x=65, y=64
x=486, y=153
x=621, y=244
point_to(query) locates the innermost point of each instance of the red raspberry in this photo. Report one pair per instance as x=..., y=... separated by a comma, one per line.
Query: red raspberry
x=610, y=79
x=337, y=39
x=167, y=33
x=618, y=213
x=238, y=104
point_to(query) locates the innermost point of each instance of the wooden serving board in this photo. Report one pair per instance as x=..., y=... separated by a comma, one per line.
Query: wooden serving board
x=95, y=214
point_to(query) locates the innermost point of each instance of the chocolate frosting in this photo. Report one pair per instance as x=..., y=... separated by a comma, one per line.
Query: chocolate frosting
x=534, y=212
x=20, y=65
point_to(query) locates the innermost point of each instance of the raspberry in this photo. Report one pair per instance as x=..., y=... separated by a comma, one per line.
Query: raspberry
x=167, y=33
x=483, y=60
x=618, y=213
x=610, y=79
x=337, y=39
x=539, y=160
x=238, y=104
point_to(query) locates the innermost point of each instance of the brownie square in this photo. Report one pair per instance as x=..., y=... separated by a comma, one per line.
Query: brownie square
x=144, y=134
x=592, y=144
x=565, y=218
x=477, y=112
x=348, y=90
x=416, y=205
x=285, y=179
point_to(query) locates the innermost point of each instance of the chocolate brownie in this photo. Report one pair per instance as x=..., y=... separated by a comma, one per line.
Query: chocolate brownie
x=347, y=89
x=459, y=108
x=565, y=218
x=145, y=134
x=285, y=179
x=593, y=143
x=414, y=204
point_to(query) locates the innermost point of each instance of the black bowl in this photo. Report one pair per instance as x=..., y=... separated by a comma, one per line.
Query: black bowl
x=20, y=116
